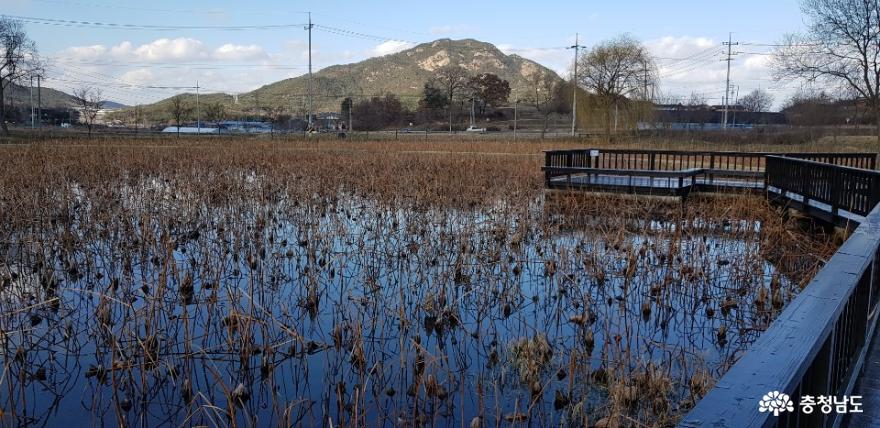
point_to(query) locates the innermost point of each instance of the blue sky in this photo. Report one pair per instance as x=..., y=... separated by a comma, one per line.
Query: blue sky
x=685, y=35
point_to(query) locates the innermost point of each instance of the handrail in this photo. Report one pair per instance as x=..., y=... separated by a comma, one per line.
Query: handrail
x=680, y=159
x=562, y=170
x=839, y=304
x=851, y=189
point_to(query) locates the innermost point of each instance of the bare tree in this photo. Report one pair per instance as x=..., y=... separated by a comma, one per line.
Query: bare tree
x=89, y=103
x=215, y=112
x=453, y=79
x=756, y=101
x=273, y=113
x=698, y=109
x=806, y=108
x=697, y=99
x=18, y=59
x=180, y=111
x=544, y=88
x=616, y=70
x=841, y=47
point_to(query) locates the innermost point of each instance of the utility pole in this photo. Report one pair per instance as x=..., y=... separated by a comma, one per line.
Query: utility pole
x=198, y=110
x=32, y=102
x=574, y=85
x=730, y=55
x=310, y=69
x=735, y=104
x=515, y=104
x=39, y=103
x=472, y=112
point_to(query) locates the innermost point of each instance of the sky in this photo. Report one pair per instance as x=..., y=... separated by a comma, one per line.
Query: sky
x=140, y=52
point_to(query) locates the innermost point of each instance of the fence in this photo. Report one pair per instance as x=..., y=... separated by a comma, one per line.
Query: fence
x=818, y=343
x=676, y=160
x=851, y=189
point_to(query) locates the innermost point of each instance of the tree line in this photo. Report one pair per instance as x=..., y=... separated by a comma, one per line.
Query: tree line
x=616, y=84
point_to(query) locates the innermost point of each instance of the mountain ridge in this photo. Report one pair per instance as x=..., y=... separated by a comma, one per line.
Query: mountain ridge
x=402, y=73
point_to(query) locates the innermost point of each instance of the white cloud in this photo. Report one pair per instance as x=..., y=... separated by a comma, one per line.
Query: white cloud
x=679, y=46
x=138, y=76
x=170, y=62
x=231, y=52
x=87, y=52
x=390, y=47
x=558, y=60
x=182, y=48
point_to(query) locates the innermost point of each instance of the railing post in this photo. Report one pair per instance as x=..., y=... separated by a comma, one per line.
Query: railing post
x=547, y=165
x=711, y=168
x=568, y=164
x=836, y=179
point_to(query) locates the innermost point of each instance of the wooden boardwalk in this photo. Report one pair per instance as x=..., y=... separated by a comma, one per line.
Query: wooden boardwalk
x=652, y=183
x=844, y=207
x=824, y=343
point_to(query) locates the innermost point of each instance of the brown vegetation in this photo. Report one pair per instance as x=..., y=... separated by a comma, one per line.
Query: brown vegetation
x=241, y=282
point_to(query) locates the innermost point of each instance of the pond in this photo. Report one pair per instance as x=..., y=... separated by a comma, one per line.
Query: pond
x=334, y=311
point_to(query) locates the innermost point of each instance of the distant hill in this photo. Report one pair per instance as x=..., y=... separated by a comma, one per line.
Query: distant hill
x=113, y=105
x=403, y=74
x=50, y=98
x=20, y=96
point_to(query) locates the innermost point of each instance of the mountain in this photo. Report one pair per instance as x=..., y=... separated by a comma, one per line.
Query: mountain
x=112, y=105
x=20, y=96
x=50, y=98
x=403, y=74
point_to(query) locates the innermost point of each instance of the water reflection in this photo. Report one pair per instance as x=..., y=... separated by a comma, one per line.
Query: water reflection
x=346, y=311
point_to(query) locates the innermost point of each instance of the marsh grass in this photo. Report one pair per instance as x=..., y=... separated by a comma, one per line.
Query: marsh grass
x=242, y=283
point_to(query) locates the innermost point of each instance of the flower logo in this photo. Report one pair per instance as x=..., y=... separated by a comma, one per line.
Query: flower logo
x=776, y=402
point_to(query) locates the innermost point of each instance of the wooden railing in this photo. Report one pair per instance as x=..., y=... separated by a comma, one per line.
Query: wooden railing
x=842, y=188
x=818, y=343
x=676, y=160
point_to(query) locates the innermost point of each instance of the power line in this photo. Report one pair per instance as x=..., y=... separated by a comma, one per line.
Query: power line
x=174, y=65
x=688, y=66
x=145, y=9
x=680, y=59
x=356, y=34
x=115, y=26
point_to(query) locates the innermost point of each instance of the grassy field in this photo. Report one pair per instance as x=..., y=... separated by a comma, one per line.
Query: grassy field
x=243, y=282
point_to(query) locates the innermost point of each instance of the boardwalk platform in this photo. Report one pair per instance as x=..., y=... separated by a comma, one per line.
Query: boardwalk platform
x=664, y=173
x=650, y=185
x=824, y=343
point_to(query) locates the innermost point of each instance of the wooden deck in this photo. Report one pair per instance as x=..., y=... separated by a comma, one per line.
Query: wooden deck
x=652, y=183
x=825, y=342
